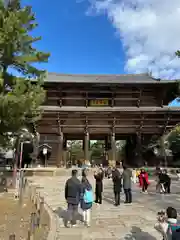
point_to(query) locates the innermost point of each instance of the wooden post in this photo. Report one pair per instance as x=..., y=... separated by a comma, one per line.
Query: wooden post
x=21, y=186
x=86, y=147
x=60, y=150
x=113, y=145
x=86, y=142
x=139, y=148
x=113, y=148
x=32, y=227
x=60, y=144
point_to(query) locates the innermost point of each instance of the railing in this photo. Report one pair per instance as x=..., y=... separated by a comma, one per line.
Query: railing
x=36, y=216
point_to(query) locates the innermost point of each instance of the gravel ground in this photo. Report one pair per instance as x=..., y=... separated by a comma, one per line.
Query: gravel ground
x=15, y=219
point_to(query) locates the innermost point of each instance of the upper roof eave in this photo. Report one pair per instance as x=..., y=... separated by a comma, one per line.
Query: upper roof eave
x=105, y=79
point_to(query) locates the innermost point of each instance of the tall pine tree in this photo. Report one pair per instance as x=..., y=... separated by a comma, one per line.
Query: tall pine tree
x=20, y=98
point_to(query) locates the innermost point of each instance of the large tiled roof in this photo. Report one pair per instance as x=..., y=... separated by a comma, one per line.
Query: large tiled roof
x=93, y=78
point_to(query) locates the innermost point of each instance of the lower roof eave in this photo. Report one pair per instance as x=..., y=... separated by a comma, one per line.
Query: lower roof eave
x=110, y=109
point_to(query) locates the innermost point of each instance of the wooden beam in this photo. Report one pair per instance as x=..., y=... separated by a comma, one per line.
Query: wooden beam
x=107, y=119
x=80, y=91
x=104, y=126
x=110, y=110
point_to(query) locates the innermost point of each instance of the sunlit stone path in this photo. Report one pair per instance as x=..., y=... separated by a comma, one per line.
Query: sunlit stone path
x=134, y=221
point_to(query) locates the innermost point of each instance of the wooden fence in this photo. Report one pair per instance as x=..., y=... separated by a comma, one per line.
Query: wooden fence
x=36, y=215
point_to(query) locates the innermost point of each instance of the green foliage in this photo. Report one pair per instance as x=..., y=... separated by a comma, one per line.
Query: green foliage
x=174, y=140
x=20, y=98
x=97, y=149
x=178, y=53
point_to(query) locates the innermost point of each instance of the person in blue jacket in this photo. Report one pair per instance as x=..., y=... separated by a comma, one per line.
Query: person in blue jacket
x=87, y=198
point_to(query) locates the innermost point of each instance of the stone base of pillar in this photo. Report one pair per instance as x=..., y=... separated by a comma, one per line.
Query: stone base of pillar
x=112, y=163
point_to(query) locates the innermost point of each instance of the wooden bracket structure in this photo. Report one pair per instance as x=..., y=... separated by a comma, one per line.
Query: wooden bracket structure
x=86, y=99
x=86, y=126
x=60, y=146
x=86, y=142
x=112, y=99
x=139, y=99
x=59, y=125
x=113, y=125
x=166, y=124
x=60, y=97
x=162, y=99
x=141, y=122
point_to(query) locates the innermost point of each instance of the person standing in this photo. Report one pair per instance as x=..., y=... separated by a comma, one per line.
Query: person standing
x=99, y=174
x=87, y=199
x=134, y=177
x=116, y=177
x=73, y=193
x=126, y=177
x=167, y=182
x=143, y=180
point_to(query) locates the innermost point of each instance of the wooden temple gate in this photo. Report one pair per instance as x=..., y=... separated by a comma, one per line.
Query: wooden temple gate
x=84, y=107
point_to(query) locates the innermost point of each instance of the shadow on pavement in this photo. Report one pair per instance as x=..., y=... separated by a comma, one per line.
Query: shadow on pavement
x=64, y=215
x=137, y=233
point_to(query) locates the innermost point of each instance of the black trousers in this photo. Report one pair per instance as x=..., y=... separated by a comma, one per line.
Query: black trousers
x=144, y=185
x=167, y=186
x=117, y=198
x=72, y=213
x=128, y=195
x=98, y=197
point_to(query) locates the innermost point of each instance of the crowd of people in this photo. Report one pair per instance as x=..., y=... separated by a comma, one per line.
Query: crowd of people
x=81, y=193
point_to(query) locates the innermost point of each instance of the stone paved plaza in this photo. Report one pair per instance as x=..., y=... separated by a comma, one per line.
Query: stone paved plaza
x=134, y=221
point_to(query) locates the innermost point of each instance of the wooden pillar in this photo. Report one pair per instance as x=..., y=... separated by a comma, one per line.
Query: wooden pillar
x=139, y=158
x=110, y=147
x=113, y=146
x=112, y=151
x=86, y=144
x=64, y=162
x=60, y=150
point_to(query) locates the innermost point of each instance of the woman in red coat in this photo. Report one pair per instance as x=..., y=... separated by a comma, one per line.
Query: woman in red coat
x=143, y=180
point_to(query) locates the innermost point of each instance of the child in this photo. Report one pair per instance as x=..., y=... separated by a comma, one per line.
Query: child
x=161, y=225
x=168, y=226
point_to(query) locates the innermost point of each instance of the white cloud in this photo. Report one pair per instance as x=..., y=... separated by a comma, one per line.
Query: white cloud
x=150, y=32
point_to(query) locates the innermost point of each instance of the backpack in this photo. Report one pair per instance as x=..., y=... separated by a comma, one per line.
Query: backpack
x=174, y=230
x=88, y=196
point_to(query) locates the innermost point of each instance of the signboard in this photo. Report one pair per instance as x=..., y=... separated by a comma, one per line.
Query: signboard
x=99, y=102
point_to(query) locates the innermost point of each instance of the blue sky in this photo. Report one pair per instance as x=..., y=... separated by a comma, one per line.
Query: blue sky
x=78, y=43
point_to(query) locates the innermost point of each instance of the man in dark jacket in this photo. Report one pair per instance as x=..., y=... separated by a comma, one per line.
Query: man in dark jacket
x=126, y=177
x=116, y=177
x=72, y=196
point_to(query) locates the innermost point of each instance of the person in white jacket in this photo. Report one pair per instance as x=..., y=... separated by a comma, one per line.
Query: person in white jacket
x=134, y=177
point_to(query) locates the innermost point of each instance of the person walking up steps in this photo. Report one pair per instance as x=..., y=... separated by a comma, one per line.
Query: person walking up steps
x=87, y=198
x=126, y=177
x=73, y=192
